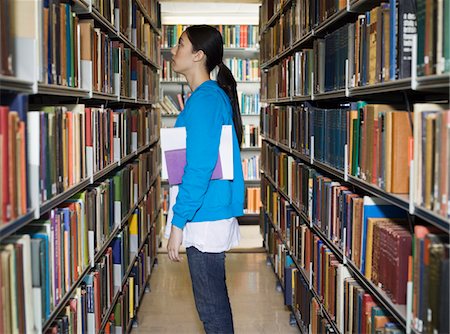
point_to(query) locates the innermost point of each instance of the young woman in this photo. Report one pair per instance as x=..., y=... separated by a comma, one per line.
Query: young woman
x=204, y=215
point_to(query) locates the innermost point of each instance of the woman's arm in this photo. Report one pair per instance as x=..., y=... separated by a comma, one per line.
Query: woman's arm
x=203, y=130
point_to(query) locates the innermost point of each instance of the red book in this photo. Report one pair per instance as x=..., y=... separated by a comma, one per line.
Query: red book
x=97, y=301
x=88, y=127
x=367, y=305
x=111, y=135
x=4, y=133
x=13, y=129
x=23, y=170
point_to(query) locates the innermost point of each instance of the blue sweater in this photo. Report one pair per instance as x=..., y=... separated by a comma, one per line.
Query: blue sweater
x=200, y=198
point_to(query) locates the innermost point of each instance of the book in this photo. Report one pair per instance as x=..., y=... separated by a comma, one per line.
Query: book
x=173, y=143
x=431, y=141
x=251, y=168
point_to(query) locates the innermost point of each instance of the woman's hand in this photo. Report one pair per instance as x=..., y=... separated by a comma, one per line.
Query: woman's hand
x=173, y=246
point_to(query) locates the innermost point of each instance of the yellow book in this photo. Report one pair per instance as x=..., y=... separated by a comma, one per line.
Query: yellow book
x=134, y=236
x=131, y=296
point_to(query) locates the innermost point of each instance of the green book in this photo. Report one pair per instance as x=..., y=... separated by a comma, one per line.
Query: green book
x=446, y=30
x=117, y=179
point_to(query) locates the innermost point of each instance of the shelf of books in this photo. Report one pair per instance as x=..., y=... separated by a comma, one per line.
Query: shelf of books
x=354, y=51
x=80, y=163
x=355, y=175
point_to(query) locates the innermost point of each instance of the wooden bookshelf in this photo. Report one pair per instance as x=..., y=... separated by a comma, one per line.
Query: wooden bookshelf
x=39, y=93
x=402, y=90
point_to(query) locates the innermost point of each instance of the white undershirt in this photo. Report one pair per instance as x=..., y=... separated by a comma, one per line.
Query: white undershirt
x=209, y=236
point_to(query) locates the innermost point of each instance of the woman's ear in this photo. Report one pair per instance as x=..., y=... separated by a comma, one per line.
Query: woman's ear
x=199, y=56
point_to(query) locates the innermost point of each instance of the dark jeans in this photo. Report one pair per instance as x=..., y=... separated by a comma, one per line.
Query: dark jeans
x=210, y=290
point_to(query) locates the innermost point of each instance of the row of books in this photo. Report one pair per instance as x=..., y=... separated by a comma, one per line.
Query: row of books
x=75, y=53
x=243, y=69
x=380, y=144
x=115, y=69
x=45, y=259
x=349, y=306
x=98, y=296
x=308, y=13
x=378, y=46
x=253, y=200
x=133, y=23
x=369, y=231
x=153, y=9
x=50, y=149
x=291, y=77
x=268, y=9
x=250, y=168
x=234, y=36
x=248, y=103
x=169, y=106
x=279, y=36
x=433, y=33
x=390, y=261
x=251, y=136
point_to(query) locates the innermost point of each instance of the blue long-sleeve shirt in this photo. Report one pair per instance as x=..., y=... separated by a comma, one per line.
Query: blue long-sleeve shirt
x=200, y=198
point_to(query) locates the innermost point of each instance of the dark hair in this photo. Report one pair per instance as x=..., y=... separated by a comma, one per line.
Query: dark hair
x=209, y=40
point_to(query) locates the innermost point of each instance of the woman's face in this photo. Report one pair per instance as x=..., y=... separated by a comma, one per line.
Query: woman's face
x=183, y=58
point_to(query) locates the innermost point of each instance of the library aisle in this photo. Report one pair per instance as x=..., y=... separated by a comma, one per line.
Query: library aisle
x=257, y=305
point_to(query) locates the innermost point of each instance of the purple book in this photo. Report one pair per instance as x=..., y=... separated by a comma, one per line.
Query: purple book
x=176, y=161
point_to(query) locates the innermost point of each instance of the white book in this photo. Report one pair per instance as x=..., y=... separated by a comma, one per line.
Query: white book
x=175, y=139
x=33, y=138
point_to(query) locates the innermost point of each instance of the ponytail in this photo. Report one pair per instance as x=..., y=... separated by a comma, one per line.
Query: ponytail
x=209, y=40
x=227, y=82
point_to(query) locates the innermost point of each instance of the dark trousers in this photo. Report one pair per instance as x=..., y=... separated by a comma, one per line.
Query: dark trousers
x=210, y=290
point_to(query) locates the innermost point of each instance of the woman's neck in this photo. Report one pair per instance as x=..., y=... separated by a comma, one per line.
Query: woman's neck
x=196, y=78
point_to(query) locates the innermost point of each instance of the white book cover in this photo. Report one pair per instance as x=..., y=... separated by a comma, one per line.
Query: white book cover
x=175, y=139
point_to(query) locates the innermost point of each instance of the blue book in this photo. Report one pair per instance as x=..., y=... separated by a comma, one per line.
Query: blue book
x=393, y=39
x=44, y=272
x=67, y=253
x=68, y=59
x=288, y=300
x=118, y=269
x=89, y=281
x=360, y=310
x=376, y=208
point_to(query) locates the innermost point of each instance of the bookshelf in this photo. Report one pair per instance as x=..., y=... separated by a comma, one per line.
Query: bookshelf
x=288, y=33
x=100, y=188
x=178, y=86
